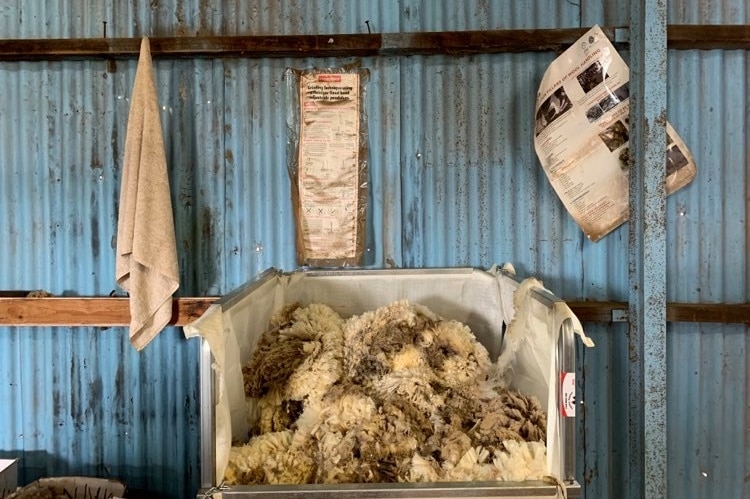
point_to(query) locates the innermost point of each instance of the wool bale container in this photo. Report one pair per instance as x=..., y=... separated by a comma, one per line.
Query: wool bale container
x=544, y=363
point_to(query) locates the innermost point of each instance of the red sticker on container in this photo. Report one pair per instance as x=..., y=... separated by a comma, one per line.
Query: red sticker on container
x=568, y=395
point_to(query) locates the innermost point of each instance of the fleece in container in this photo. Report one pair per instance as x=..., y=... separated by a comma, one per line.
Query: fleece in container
x=398, y=394
x=483, y=300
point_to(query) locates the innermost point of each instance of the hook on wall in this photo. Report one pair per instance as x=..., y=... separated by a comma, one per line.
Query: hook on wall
x=111, y=64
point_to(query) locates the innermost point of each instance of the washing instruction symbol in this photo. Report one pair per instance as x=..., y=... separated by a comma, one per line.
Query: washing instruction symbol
x=569, y=400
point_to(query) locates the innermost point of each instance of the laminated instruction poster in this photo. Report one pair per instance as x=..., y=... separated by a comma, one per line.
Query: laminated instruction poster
x=581, y=135
x=331, y=170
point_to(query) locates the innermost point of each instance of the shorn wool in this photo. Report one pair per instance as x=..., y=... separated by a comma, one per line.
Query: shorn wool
x=398, y=394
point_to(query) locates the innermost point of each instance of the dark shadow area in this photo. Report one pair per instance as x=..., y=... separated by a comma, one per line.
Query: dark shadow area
x=141, y=482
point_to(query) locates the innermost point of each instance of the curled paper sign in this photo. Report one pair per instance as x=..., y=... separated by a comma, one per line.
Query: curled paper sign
x=581, y=135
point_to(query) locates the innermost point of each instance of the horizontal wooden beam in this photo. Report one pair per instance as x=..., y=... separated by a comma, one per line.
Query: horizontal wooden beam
x=716, y=313
x=107, y=312
x=89, y=311
x=479, y=42
x=358, y=45
x=332, y=45
x=708, y=37
x=597, y=311
x=722, y=313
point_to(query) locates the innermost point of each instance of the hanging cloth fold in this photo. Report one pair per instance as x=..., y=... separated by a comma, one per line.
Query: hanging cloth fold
x=146, y=260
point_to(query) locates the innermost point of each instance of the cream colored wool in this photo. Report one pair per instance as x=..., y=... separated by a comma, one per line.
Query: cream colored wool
x=271, y=416
x=294, y=466
x=373, y=338
x=354, y=435
x=246, y=462
x=453, y=446
x=424, y=469
x=471, y=467
x=519, y=461
x=322, y=330
x=396, y=394
x=317, y=333
x=469, y=361
x=412, y=385
x=345, y=410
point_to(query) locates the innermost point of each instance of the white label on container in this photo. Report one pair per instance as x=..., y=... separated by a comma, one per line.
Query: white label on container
x=568, y=395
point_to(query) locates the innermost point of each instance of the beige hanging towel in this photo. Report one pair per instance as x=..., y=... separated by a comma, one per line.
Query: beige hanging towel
x=146, y=261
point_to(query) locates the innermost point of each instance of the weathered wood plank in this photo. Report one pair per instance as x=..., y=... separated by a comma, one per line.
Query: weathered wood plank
x=357, y=44
x=88, y=311
x=707, y=37
x=105, y=311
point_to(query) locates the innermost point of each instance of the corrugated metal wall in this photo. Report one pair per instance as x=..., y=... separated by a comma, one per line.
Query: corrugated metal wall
x=454, y=181
x=707, y=234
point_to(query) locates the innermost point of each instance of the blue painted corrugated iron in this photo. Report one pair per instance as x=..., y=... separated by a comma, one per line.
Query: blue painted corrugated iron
x=454, y=181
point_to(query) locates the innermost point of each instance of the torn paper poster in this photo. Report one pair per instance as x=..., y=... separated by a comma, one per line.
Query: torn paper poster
x=581, y=135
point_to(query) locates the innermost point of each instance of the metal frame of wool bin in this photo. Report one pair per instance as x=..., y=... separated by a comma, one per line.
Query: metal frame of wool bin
x=565, y=362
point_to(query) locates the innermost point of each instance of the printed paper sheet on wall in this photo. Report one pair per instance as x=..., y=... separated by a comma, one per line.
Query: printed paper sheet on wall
x=329, y=174
x=581, y=135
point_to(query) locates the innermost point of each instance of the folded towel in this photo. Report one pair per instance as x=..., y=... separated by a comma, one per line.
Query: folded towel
x=146, y=261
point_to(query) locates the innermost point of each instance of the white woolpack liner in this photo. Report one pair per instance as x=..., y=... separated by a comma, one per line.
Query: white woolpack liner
x=483, y=300
x=8, y=476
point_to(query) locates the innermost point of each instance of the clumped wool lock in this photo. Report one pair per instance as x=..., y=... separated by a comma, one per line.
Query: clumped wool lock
x=398, y=394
